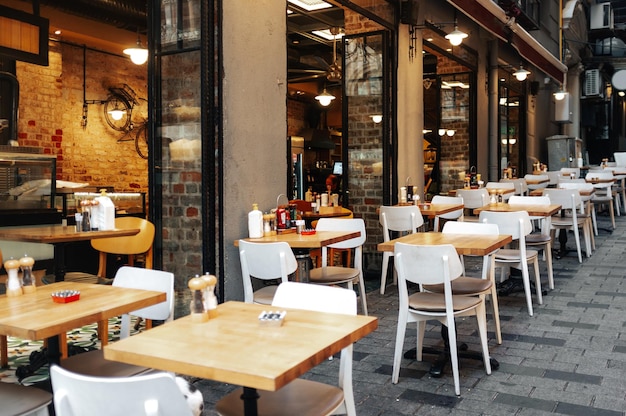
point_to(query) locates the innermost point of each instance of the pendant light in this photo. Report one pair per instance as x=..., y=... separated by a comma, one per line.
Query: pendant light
x=521, y=74
x=325, y=98
x=139, y=54
x=456, y=36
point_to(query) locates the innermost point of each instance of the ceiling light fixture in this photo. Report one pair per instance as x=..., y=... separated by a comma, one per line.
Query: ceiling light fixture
x=377, y=118
x=310, y=5
x=139, y=54
x=325, y=98
x=456, y=36
x=521, y=74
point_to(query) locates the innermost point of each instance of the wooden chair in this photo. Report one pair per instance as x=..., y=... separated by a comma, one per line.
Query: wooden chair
x=400, y=219
x=18, y=400
x=264, y=261
x=149, y=394
x=336, y=275
x=305, y=397
x=434, y=265
x=93, y=363
x=517, y=224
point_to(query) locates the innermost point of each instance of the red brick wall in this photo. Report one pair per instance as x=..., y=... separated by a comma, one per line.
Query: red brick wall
x=51, y=109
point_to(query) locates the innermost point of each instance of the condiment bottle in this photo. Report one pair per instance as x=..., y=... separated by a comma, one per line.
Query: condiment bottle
x=255, y=222
x=308, y=195
x=196, y=308
x=14, y=287
x=105, y=218
x=28, y=280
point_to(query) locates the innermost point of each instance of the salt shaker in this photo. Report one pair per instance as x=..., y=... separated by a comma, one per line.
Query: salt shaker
x=14, y=288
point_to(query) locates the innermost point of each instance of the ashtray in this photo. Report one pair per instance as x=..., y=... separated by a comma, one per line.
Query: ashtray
x=65, y=296
x=272, y=318
x=308, y=232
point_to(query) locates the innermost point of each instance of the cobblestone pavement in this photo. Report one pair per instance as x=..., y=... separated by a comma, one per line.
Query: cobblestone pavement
x=569, y=358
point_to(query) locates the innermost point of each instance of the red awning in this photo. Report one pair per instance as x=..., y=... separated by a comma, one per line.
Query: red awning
x=493, y=19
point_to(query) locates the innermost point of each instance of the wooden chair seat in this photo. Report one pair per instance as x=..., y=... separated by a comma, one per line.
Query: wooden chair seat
x=464, y=286
x=24, y=400
x=334, y=275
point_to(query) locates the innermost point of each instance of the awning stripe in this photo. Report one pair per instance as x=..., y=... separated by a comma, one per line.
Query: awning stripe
x=493, y=19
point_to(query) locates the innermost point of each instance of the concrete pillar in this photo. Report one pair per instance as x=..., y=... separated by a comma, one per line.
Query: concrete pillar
x=494, y=135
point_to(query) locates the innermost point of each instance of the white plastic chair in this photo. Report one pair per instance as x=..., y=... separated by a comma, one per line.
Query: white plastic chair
x=469, y=286
x=401, y=219
x=432, y=265
x=569, y=199
x=567, y=172
x=542, y=239
x=450, y=216
x=306, y=397
x=590, y=208
x=519, y=184
x=93, y=363
x=149, y=394
x=264, y=261
x=620, y=158
x=338, y=275
x=604, y=194
x=517, y=225
x=473, y=198
x=18, y=400
x=545, y=179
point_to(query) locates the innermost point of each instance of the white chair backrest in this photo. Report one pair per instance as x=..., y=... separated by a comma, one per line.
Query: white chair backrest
x=474, y=198
x=478, y=228
x=569, y=171
x=313, y=297
x=441, y=199
x=600, y=174
x=151, y=394
x=620, y=158
x=579, y=184
x=529, y=200
x=566, y=198
x=402, y=219
x=426, y=265
x=500, y=185
x=508, y=222
x=147, y=279
x=334, y=224
x=531, y=177
x=520, y=185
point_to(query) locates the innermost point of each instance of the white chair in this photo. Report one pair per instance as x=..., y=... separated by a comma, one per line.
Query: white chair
x=604, y=194
x=18, y=400
x=506, y=186
x=306, y=397
x=570, y=201
x=450, y=216
x=537, y=181
x=519, y=184
x=473, y=198
x=337, y=275
x=541, y=239
x=264, y=261
x=93, y=363
x=620, y=158
x=567, y=172
x=149, y=394
x=517, y=224
x=400, y=219
x=590, y=208
x=469, y=286
x=432, y=265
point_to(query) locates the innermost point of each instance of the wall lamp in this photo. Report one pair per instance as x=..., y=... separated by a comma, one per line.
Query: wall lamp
x=446, y=132
x=561, y=93
x=325, y=98
x=377, y=118
x=521, y=74
x=456, y=36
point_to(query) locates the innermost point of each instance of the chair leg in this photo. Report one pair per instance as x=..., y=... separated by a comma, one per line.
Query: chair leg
x=489, y=272
x=397, y=356
x=577, y=238
x=362, y=293
x=548, y=253
x=526, y=281
x=4, y=351
x=612, y=214
x=538, y=282
x=454, y=358
x=481, y=319
x=383, y=274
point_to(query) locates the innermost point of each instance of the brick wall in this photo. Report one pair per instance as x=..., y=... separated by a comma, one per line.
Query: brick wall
x=51, y=110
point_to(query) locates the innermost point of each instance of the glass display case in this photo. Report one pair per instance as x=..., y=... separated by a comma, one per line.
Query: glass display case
x=126, y=203
x=27, y=189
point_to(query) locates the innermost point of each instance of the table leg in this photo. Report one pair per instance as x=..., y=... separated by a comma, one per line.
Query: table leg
x=249, y=398
x=59, y=262
x=303, y=257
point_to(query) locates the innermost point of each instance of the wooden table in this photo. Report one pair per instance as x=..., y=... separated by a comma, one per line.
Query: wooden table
x=302, y=244
x=533, y=210
x=35, y=316
x=537, y=181
x=432, y=210
x=582, y=192
x=325, y=212
x=58, y=235
x=233, y=348
x=465, y=244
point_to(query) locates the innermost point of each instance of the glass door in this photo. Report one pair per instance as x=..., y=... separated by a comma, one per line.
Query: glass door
x=510, y=126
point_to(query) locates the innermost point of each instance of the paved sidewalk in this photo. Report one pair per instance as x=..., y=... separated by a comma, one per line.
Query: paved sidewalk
x=569, y=358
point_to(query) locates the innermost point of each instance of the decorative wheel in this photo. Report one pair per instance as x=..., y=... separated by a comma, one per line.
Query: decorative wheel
x=117, y=113
x=141, y=140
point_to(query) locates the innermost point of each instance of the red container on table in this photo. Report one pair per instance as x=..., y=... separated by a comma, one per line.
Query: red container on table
x=282, y=218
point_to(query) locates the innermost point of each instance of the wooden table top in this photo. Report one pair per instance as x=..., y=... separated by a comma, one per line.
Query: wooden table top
x=533, y=210
x=59, y=234
x=536, y=181
x=234, y=348
x=465, y=244
x=432, y=210
x=326, y=212
x=317, y=240
x=600, y=181
x=582, y=192
x=35, y=316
